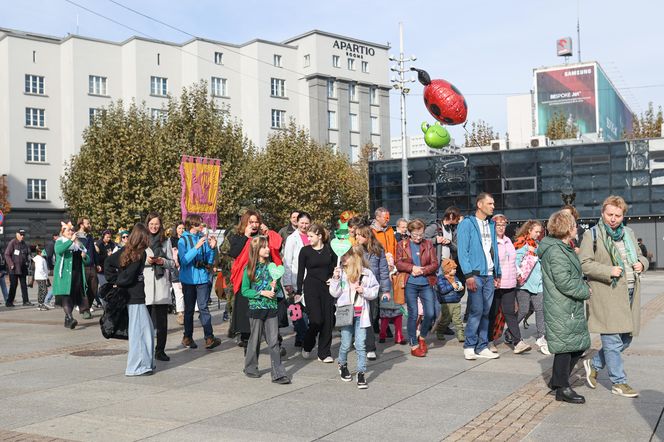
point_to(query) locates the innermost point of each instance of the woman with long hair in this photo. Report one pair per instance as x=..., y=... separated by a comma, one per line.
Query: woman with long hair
x=158, y=265
x=250, y=225
x=529, y=271
x=375, y=256
x=69, y=285
x=125, y=268
x=316, y=264
x=261, y=291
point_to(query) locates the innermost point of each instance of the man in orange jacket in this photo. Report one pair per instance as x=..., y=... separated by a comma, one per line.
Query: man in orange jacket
x=383, y=232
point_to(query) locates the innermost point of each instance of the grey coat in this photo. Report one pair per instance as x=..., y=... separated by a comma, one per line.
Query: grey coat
x=158, y=291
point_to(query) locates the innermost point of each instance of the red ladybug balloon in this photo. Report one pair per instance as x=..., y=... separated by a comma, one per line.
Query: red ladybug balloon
x=443, y=101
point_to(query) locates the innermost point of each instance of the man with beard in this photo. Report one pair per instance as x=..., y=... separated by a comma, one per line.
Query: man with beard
x=84, y=237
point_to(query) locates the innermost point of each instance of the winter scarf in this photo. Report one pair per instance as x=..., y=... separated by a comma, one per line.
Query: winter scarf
x=609, y=242
x=523, y=240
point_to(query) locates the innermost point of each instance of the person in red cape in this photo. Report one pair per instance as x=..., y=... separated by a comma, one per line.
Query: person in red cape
x=250, y=225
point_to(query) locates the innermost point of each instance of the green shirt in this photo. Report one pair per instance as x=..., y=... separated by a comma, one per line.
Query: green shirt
x=252, y=289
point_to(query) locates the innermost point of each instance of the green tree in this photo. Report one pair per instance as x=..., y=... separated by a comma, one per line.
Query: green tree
x=480, y=134
x=129, y=162
x=295, y=172
x=4, y=195
x=648, y=124
x=560, y=127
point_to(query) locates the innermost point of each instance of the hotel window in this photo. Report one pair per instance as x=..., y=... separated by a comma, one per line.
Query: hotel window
x=354, y=126
x=335, y=61
x=218, y=58
x=278, y=87
x=352, y=91
x=307, y=61
x=277, y=60
x=36, y=189
x=92, y=114
x=331, y=120
x=158, y=114
x=373, y=95
x=97, y=85
x=365, y=67
x=331, y=89
x=278, y=119
x=34, y=117
x=351, y=64
x=374, y=125
x=218, y=86
x=34, y=84
x=159, y=86
x=35, y=152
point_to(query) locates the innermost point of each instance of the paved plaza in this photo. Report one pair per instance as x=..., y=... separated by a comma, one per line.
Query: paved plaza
x=61, y=384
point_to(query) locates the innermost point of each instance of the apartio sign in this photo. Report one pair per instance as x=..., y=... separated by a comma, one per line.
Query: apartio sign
x=354, y=49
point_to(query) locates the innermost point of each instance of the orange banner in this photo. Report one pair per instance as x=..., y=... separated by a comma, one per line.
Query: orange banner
x=200, y=186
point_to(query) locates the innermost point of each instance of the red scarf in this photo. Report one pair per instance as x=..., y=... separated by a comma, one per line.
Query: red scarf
x=237, y=269
x=523, y=240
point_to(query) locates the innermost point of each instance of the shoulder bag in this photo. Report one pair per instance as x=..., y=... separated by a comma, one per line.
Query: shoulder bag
x=346, y=313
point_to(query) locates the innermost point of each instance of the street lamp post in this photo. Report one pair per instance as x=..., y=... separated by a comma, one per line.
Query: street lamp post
x=399, y=83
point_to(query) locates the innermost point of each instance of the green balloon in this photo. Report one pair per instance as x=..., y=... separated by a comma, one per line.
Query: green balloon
x=435, y=136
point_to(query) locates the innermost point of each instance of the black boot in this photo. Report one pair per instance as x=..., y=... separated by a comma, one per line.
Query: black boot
x=566, y=394
x=70, y=322
x=161, y=355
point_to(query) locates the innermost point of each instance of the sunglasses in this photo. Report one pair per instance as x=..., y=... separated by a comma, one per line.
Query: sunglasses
x=125, y=236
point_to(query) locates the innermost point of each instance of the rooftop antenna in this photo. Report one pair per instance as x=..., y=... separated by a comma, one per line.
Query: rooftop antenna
x=578, y=29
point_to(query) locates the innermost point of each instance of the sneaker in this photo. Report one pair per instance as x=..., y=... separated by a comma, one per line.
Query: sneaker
x=488, y=354
x=469, y=354
x=306, y=354
x=284, y=380
x=327, y=360
x=492, y=348
x=543, y=346
x=361, y=381
x=180, y=318
x=371, y=355
x=591, y=373
x=42, y=308
x=28, y=304
x=344, y=373
x=212, y=342
x=624, y=390
x=521, y=347
x=92, y=310
x=189, y=343
x=87, y=315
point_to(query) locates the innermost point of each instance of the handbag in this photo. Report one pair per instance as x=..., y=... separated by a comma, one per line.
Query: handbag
x=525, y=269
x=399, y=287
x=345, y=314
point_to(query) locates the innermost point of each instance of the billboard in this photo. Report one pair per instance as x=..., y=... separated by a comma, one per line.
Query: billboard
x=569, y=91
x=615, y=118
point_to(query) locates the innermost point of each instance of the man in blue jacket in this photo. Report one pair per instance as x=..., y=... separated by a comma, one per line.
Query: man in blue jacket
x=478, y=257
x=196, y=254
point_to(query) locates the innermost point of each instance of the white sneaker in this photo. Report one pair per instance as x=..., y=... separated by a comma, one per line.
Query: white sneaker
x=488, y=354
x=543, y=346
x=327, y=360
x=469, y=354
x=371, y=355
x=521, y=347
x=306, y=354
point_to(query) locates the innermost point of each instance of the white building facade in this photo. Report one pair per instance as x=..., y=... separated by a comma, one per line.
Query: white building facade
x=337, y=87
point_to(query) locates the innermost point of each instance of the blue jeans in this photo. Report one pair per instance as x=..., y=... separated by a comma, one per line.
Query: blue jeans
x=3, y=285
x=609, y=356
x=425, y=293
x=479, y=305
x=360, y=344
x=198, y=294
x=140, y=358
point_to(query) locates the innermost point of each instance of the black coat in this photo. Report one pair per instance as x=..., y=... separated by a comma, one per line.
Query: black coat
x=17, y=264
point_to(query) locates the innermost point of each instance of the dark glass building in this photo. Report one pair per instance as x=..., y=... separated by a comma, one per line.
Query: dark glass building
x=529, y=183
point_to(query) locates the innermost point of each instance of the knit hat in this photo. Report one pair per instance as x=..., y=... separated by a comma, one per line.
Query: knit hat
x=449, y=265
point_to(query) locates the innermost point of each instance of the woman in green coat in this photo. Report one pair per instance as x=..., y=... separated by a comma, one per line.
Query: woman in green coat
x=69, y=285
x=564, y=292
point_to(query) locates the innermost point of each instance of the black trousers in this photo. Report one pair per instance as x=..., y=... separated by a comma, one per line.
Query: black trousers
x=159, y=315
x=508, y=302
x=13, y=284
x=563, y=363
x=370, y=343
x=320, y=309
x=92, y=283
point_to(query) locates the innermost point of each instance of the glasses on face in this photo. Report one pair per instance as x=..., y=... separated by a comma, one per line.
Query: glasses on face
x=125, y=236
x=416, y=235
x=501, y=224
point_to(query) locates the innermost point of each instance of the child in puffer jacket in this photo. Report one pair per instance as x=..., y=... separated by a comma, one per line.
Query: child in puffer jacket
x=449, y=293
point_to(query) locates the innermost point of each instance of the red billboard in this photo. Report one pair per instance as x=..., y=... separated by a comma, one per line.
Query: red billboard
x=570, y=92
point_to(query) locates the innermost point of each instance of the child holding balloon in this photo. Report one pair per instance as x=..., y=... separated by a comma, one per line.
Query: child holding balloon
x=354, y=284
x=261, y=285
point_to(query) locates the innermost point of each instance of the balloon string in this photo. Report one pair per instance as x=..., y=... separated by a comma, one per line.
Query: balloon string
x=471, y=135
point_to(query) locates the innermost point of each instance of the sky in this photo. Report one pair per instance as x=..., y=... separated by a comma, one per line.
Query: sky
x=487, y=49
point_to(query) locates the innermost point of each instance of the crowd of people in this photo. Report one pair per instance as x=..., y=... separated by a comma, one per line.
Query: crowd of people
x=575, y=283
